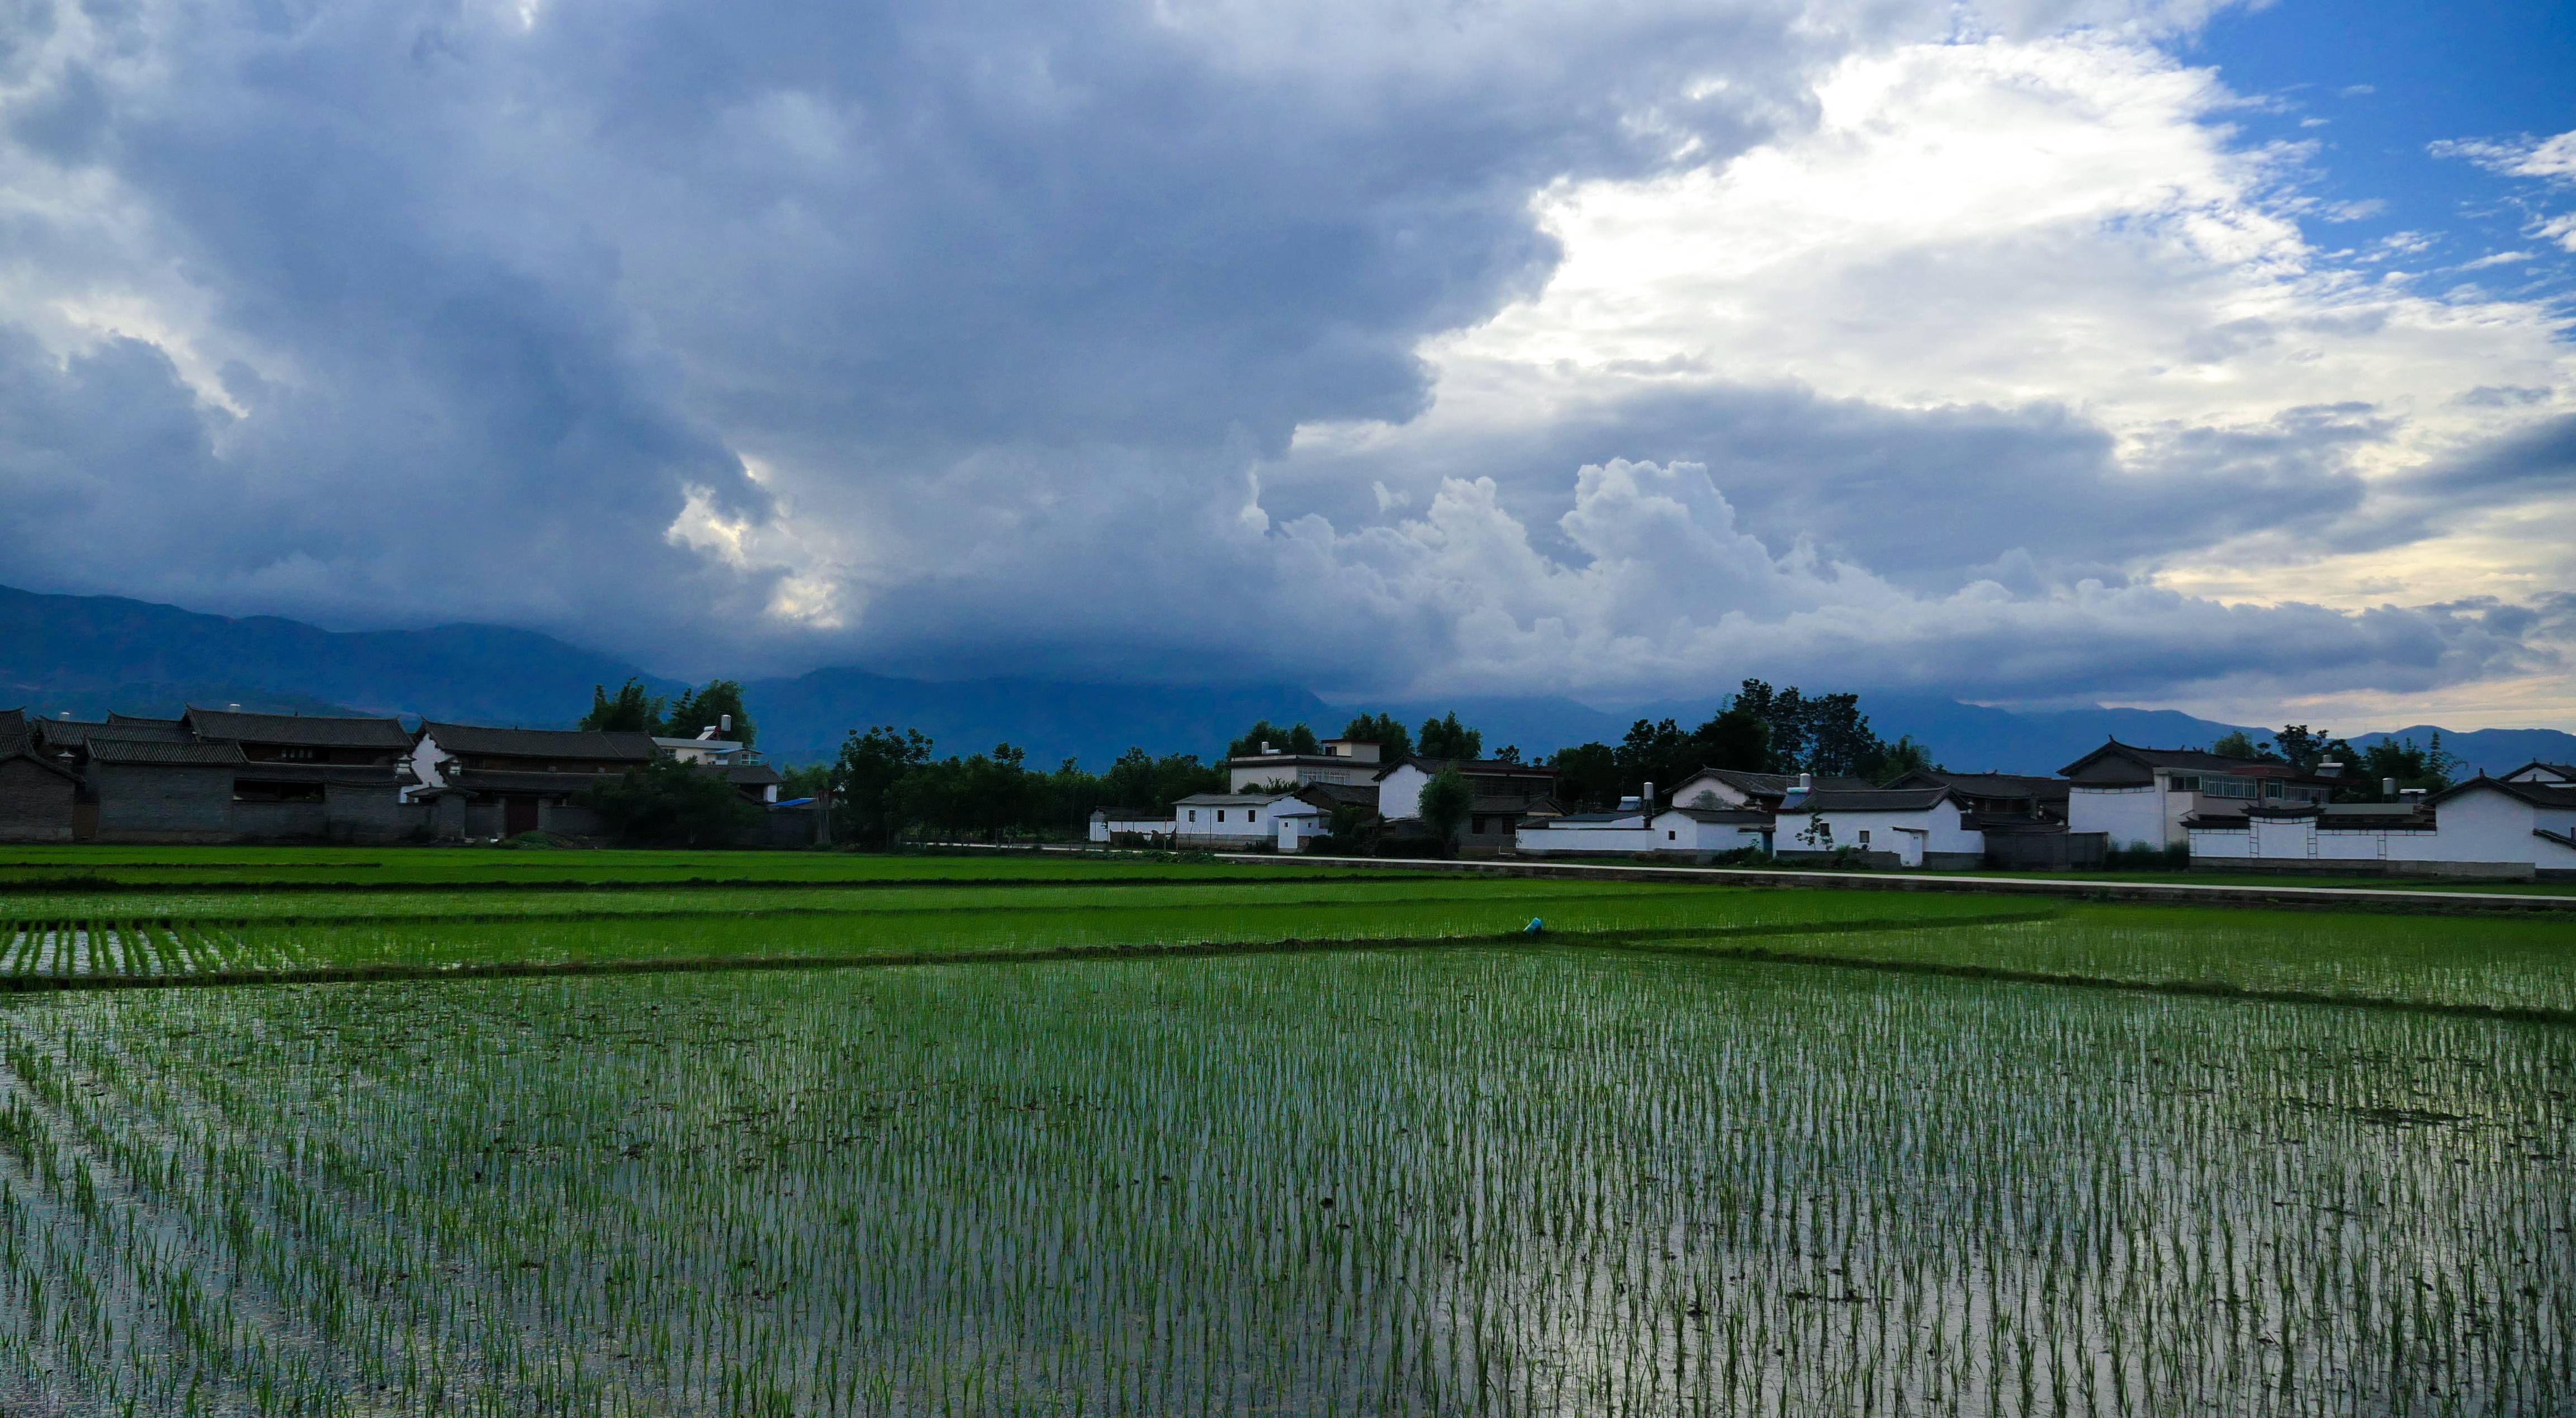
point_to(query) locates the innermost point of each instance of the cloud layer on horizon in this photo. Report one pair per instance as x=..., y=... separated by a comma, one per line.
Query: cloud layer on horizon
x=1617, y=351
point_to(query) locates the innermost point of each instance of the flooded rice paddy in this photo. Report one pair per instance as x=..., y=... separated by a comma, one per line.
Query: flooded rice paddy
x=1466, y=1180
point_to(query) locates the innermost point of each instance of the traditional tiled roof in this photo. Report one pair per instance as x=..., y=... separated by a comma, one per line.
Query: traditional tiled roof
x=1340, y=794
x=1232, y=799
x=1470, y=767
x=749, y=775
x=1866, y=800
x=589, y=744
x=2194, y=759
x=13, y=730
x=1134, y=814
x=76, y=733
x=169, y=755
x=1768, y=785
x=2536, y=794
x=1988, y=785
x=303, y=730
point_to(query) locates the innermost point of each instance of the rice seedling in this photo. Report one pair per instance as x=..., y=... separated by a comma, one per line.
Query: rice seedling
x=1535, y=1179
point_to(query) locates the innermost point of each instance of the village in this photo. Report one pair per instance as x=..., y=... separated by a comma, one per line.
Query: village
x=223, y=776
x=2186, y=806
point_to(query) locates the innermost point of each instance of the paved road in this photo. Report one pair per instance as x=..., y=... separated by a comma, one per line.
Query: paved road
x=2228, y=894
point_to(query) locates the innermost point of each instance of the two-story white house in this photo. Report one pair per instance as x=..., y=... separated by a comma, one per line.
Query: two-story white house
x=2148, y=797
x=1352, y=762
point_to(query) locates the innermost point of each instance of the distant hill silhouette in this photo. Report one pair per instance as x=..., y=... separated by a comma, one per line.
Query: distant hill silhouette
x=91, y=654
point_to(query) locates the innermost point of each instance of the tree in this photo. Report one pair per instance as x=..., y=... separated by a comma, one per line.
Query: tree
x=1587, y=775
x=631, y=711
x=1826, y=734
x=1736, y=738
x=1299, y=739
x=2303, y=750
x=706, y=707
x=1446, y=738
x=1393, y=740
x=2429, y=767
x=1654, y=751
x=865, y=776
x=1838, y=740
x=1138, y=779
x=1446, y=800
x=2236, y=744
x=667, y=803
x=1902, y=757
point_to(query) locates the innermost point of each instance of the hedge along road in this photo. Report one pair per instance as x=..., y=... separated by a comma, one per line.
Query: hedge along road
x=2340, y=898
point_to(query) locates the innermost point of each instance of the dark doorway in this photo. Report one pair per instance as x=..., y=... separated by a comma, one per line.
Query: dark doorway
x=518, y=815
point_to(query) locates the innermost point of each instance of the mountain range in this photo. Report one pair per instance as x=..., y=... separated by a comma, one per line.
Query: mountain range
x=87, y=655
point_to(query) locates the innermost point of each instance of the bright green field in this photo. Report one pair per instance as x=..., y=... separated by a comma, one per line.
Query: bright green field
x=1547, y=1180
x=1146, y=1137
x=376, y=868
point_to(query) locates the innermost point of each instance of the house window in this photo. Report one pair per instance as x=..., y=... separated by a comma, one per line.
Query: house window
x=2227, y=787
x=2185, y=782
x=1672, y=835
x=1252, y=814
x=1194, y=814
x=1220, y=814
x=1864, y=836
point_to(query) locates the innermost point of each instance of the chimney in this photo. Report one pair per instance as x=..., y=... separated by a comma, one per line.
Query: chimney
x=1806, y=782
x=2388, y=789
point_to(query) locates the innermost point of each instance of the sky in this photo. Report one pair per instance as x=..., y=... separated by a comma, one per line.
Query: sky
x=2040, y=352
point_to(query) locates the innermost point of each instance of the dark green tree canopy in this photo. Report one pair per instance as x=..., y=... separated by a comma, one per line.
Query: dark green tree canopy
x=631, y=710
x=2237, y=745
x=1446, y=800
x=1445, y=737
x=705, y=707
x=2428, y=766
x=668, y=803
x=1394, y=741
x=1298, y=739
x=1587, y=775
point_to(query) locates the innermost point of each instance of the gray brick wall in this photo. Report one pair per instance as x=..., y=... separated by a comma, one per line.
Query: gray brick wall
x=35, y=805
x=159, y=803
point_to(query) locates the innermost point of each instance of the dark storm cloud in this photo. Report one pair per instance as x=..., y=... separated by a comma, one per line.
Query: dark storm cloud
x=487, y=294
x=1004, y=316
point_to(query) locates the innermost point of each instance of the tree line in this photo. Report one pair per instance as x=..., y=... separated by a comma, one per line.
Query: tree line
x=2427, y=766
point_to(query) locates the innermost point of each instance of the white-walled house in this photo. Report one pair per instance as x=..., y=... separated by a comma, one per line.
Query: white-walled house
x=2510, y=829
x=1229, y=819
x=1692, y=832
x=1113, y=822
x=2150, y=796
x=1905, y=827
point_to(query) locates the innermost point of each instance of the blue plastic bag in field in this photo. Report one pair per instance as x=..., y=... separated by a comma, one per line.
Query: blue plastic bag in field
x=1534, y=927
